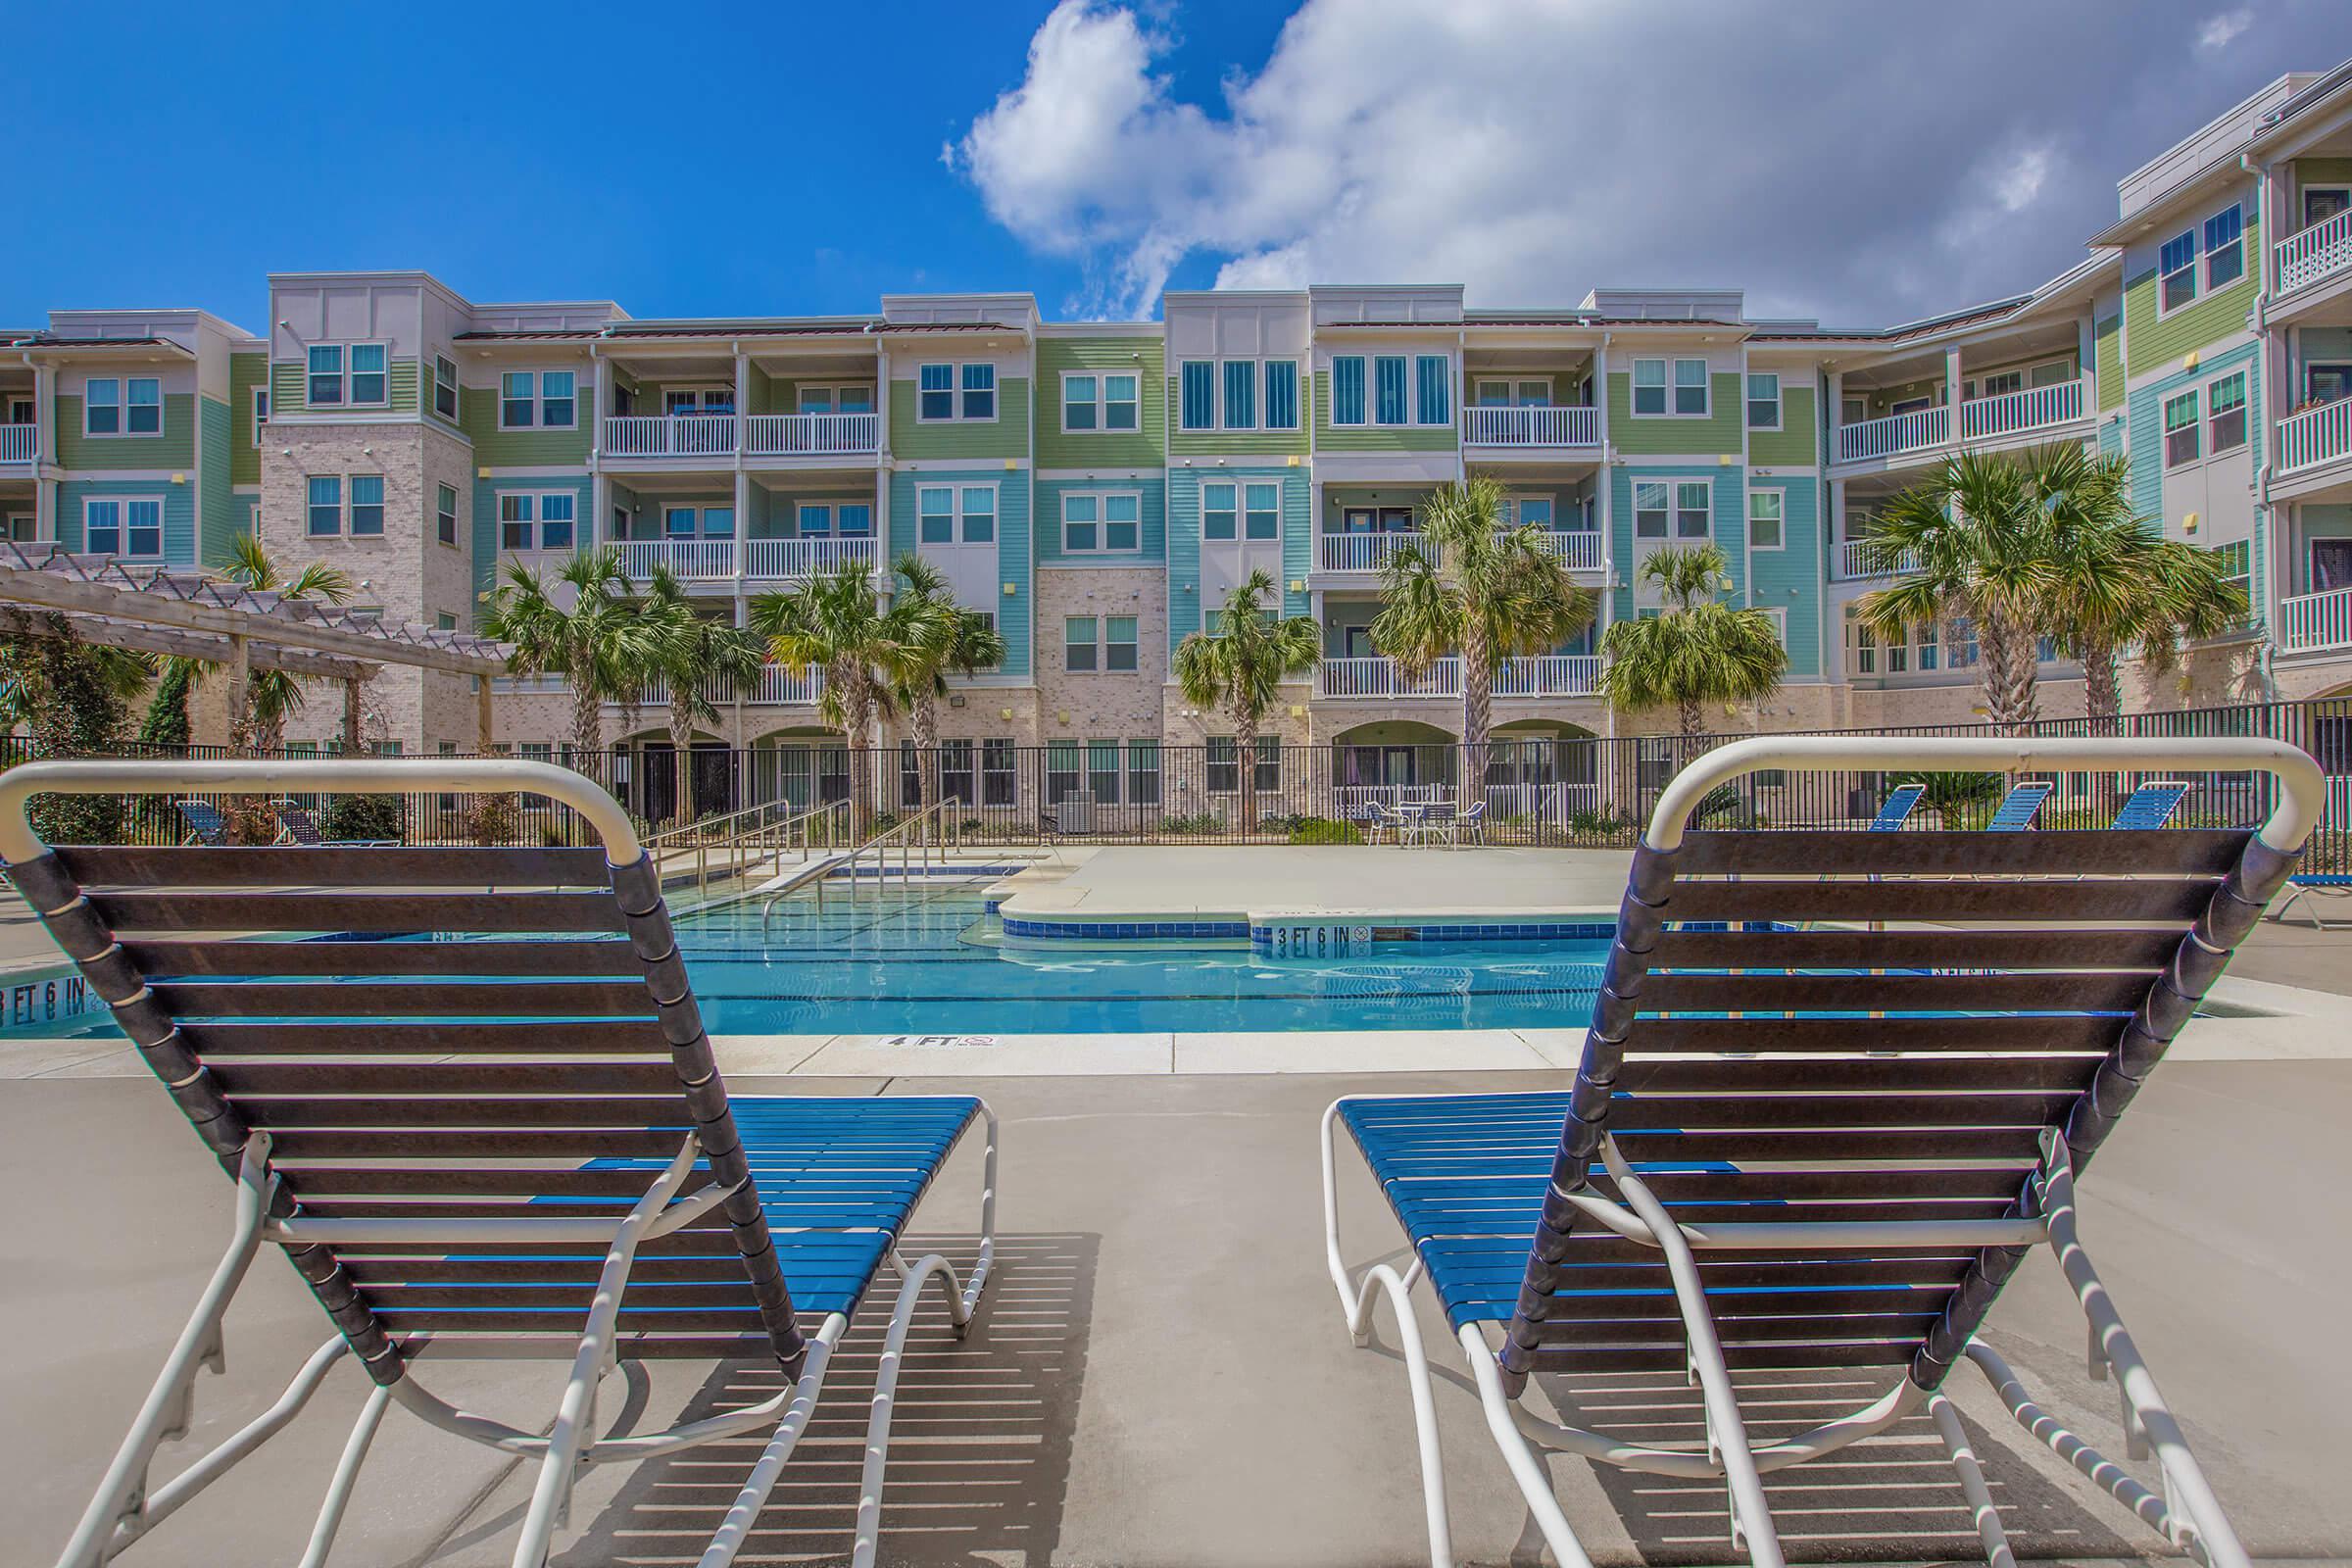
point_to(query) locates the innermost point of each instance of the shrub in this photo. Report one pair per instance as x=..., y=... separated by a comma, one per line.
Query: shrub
x=493, y=820
x=1201, y=824
x=1323, y=830
x=362, y=817
x=1599, y=825
x=1952, y=794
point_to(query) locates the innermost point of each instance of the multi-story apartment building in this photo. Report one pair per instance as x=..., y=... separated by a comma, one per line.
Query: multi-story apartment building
x=1100, y=488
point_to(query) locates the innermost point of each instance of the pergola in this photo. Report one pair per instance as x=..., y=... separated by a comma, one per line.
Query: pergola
x=164, y=609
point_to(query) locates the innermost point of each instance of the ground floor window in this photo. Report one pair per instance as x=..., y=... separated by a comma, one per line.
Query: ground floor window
x=1224, y=765
x=997, y=773
x=956, y=772
x=1102, y=771
x=1142, y=772
x=1061, y=771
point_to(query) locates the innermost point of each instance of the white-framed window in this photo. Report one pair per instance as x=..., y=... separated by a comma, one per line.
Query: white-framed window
x=840, y=397
x=1223, y=767
x=370, y=375
x=366, y=505
x=976, y=513
x=1101, y=401
x=1388, y=389
x=2224, y=247
x=935, y=515
x=1142, y=772
x=2225, y=414
x=1081, y=653
x=1763, y=400
x=1237, y=402
x=143, y=406
x=517, y=512
x=1767, y=520
x=934, y=393
x=951, y=392
x=130, y=527
x=1433, y=389
x=1196, y=395
x=2181, y=433
x=1349, y=404
x=326, y=514
x=1653, y=505
x=1649, y=388
x=979, y=392
x=1513, y=392
x=445, y=387
x=2236, y=559
x=1778, y=614
x=1119, y=643
x=547, y=400
x=112, y=406
x=1531, y=512
x=1262, y=511
x=1281, y=410
x=445, y=514
x=1101, y=523
x=102, y=406
x=1691, y=391
x=323, y=366
x=556, y=508
x=260, y=412
x=1691, y=508
x=2177, y=272
x=1238, y=394
x=1220, y=512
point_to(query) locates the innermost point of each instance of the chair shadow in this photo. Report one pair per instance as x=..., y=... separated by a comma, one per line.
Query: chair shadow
x=980, y=1442
x=1889, y=1497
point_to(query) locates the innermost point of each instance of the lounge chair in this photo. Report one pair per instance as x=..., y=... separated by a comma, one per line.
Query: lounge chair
x=2314, y=885
x=206, y=824
x=303, y=829
x=2018, y=808
x=1822, y=1148
x=2150, y=806
x=1897, y=808
x=555, y=1125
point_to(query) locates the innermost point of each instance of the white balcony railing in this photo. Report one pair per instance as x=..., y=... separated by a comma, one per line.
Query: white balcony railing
x=20, y=443
x=1549, y=675
x=669, y=435
x=1530, y=428
x=529, y=685
x=687, y=560
x=2311, y=254
x=2309, y=623
x=1380, y=677
x=1859, y=559
x=1894, y=435
x=2037, y=408
x=1360, y=552
x=792, y=688
x=805, y=435
x=2315, y=436
x=779, y=560
x=1582, y=552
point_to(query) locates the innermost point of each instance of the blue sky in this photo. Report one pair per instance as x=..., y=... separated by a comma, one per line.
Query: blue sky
x=730, y=160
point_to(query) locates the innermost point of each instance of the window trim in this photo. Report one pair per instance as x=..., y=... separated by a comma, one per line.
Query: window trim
x=1092, y=645
x=258, y=411
x=122, y=406
x=352, y=504
x=1446, y=386
x=1261, y=386
x=1779, y=400
x=1102, y=403
x=1363, y=392
x=311, y=375
x=572, y=499
x=2194, y=234
x=1101, y=499
x=351, y=372
x=1664, y=510
x=536, y=397
x=956, y=392
x=1404, y=392
x=123, y=504
x=2242, y=408
x=2194, y=424
x=1778, y=493
x=311, y=506
x=1247, y=511
x=445, y=535
x=1133, y=645
x=1707, y=487
x=1778, y=614
x=1233, y=510
x=2238, y=244
x=529, y=500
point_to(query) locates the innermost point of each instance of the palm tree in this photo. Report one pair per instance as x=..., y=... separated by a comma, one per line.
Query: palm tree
x=272, y=695
x=938, y=635
x=1697, y=650
x=1468, y=585
x=833, y=622
x=1240, y=665
x=698, y=651
x=1978, y=530
x=599, y=641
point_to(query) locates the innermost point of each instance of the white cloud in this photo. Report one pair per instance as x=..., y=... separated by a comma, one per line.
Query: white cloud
x=2222, y=29
x=1854, y=161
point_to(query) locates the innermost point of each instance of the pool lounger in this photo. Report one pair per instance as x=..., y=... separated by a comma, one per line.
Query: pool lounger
x=2151, y=805
x=592, y=1196
x=1773, y=1158
x=1898, y=808
x=2315, y=886
x=2019, y=808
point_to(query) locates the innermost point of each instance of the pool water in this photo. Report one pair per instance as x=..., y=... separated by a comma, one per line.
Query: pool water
x=896, y=960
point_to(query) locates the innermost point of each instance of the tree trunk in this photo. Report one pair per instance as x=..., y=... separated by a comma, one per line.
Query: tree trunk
x=924, y=722
x=1245, y=742
x=587, y=725
x=1478, y=713
x=2008, y=649
x=2102, y=691
x=1691, y=715
x=681, y=745
x=856, y=715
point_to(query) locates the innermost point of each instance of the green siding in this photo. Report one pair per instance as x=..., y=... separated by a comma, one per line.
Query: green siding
x=289, y=390
x=2156, y=342
x=1143, y=448
x=1007, y=436
x=246, y=372
x=534, y=448
x=174, y=447
x=1797, y=442
x=1720, y=431
x=1368, y=437
x=212, y=485
x=1242, y=443
x=2107, y=357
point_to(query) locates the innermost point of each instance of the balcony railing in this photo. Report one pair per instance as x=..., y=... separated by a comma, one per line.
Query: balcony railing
x=687, y=560
x=2037, y=408
x=2311, y=254
x=808, y=435
x=669, y=435
x=2315, y=436
x=1894, y=435
x=1861, y=559
x=1549, y=675
x=776, y=686
x=1530, y=428
x=1380, y=677
x=20, y=443
x=529, y=685
x=1582, y=552
x=2309, y=623
x=1369, y=552
x=779, y=559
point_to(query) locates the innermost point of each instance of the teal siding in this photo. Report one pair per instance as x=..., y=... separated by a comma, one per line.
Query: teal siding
x=179, y=512
x=1184, y=540
x=1727, y=523
x=212, y=459
x=485, y=520
x=1796, y=567
x=1015, y=548
x=1153, y=536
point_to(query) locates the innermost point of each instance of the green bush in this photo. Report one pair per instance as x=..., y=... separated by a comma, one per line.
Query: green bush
x=1952, y=794
x=1599, y=825
x=362, y=817
x=494, y=819
x=1201, y=824
x=1323, y=830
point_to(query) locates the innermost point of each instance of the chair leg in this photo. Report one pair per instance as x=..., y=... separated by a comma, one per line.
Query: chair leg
x=1996, y=1540
x=347, y=1475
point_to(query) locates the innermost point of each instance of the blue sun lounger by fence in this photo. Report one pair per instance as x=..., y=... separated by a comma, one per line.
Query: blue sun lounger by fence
x=2316, y=884
x=2018, y=808
x=1832, y=1097
x=2150, y=806
x=1898, y=808
x=206, y=824
x=514, y=1145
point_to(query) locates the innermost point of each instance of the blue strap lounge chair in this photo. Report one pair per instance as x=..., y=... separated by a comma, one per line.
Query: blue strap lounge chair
x=2315, y=886
x=1818, y=1125
x=533, y=1154
x=1898, y=808
x=206, y=824
x=303, y=828
x=2019, y=808
x=2150, y=806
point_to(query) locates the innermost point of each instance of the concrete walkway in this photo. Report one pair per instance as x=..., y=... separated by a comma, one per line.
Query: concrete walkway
x=1119, y=881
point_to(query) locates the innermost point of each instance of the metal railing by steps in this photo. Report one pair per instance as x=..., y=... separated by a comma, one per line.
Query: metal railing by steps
x=741, y=842
x=949, y=839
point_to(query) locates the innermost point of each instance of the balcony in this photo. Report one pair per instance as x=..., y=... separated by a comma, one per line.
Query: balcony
x=1530, y=428
x=1860, y=559
x=2311, y=623
x=674, y=435
x=2315, y=436
x=2309, y=255
x=777, y=687
x=1894, y=435
x=2037, y=408
x=1582, y=552
x=786, y=560
x=1549, y=675
x=812, y=435
x=1380, y=678
x=19, y=444
x=1369, y=552
x=687, y=560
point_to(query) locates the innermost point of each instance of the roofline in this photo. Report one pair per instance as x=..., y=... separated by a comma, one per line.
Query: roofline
x=2278, y=120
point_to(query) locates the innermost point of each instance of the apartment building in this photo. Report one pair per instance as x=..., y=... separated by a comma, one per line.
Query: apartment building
x=1099, y=488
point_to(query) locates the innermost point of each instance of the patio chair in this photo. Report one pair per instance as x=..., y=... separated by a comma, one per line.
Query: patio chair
x=2150, y=806
x=2313, y=885
x=1471, y=825
x=1429, y=821
x=303, y=829
x=1823, y=1148
x=550, y=1166
x=206, y=824
x=1897, y=808
x=2019, y=808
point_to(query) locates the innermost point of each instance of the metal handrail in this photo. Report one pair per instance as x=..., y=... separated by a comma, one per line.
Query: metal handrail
x=739, y=846
x=880, y=845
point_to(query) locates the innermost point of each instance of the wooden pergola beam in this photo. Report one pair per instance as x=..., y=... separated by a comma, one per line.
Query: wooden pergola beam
x=115, y=632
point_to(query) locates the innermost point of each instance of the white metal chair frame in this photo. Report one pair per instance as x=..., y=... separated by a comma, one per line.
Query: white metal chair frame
x=2184, y=1511
x=126, y=1507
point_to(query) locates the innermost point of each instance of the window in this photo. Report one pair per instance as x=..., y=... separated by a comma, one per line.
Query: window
x=516, y=513
x=1081, y=524
x=997, y=773
x=1650, y=387
x=1062, y=760
x=834, y=399
x=1118, y=644
x=445, y=388
x=1433, y=390
x=2225, y=248
x=260, y=412
x=857, y=520
x=956, y=772
x=2225, y=414
x=910, y=777
x=1267, y=774
x=131, y=528
x=443, y=620
x=1223, y=765
x=1763, y=401
x=979, y=392
x=1217, y=510
x=1650, y=510
x=1078, y=651
x=517, y=400
x=1347, y=389
x=1766, y=513
x=558, y=400
x=1998, y=385
x=1200, y=381
x=1388, y=389
x=1101, y=401
x=2177, y=273
x=1122, y=521
x=718, y=522
x=326, y=374
x=1690, y=510
x=2236, y=561
x=1263, y=517
x=326, y=506
x=1102, y=771
x=2181, y=429
x=1241, y=394
x=1926, y=634
x=935, y=508
x=1142, y=772
x=115, y=407
x=370, y=384
x=366, y=504
x=101, y=407
x=678, y=522
x=145, y=413
x=936, y=399
x=1282, y=397
x=1690, y=386
x=554, y=520
x=445, y=514
x=1779, y=627
x=979, y=515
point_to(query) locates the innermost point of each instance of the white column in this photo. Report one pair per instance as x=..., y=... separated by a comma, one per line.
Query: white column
x=743, y=517
x=599, y=502
x=2086, y=358
x=596, y=411
x=1837, y=409
x=1951, y=393
x=44, y=508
